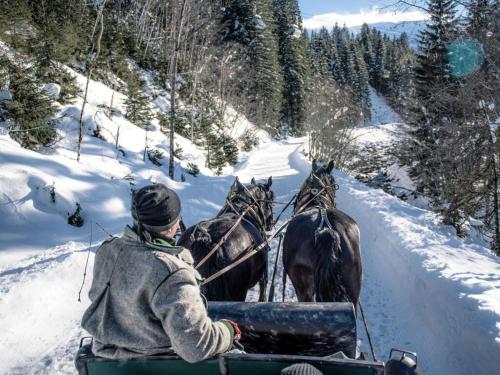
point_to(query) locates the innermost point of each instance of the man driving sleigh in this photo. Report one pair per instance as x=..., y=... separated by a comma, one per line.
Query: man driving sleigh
x=145, y=297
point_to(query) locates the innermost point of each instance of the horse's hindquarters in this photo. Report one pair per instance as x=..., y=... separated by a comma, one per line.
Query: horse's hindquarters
x=322, y=256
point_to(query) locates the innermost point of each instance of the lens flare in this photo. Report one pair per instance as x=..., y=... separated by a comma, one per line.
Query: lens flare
x=465, y=56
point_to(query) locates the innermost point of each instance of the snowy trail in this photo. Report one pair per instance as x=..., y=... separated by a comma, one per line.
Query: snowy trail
x=424, y=289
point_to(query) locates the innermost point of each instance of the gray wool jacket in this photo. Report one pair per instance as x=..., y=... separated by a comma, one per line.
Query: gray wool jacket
x=146, y=300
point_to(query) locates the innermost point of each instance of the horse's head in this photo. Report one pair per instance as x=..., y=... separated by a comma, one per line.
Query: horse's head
x=257, y=195
x=320, y=186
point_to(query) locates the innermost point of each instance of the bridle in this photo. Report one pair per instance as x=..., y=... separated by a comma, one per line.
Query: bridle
x=320, y=200
x=233, y=203
x=241, y=212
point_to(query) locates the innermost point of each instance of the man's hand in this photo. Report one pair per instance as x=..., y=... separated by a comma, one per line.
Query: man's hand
x=237, y=331
x=233, y=327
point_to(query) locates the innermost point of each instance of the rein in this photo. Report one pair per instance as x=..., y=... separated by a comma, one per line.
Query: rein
x=259, y=248
x=223, y=239
x=241, y=216
x=250, y=254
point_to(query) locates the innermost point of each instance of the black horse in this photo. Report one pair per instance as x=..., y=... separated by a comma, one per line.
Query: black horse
x=321, y=252
x=256, y=200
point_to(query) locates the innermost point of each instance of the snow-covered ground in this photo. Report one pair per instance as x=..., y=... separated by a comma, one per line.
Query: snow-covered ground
x=381, y=112
x=424, y=289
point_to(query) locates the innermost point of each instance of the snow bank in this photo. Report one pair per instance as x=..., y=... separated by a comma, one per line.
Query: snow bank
x=424, y=288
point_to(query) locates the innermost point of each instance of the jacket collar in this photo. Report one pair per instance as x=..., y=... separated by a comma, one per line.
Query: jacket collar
x=163, y=245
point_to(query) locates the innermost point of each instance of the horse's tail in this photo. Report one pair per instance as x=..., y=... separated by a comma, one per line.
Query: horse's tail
x=327, y=278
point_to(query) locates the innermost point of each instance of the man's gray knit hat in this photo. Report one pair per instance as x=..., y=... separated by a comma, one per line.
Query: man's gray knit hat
x=155, y=208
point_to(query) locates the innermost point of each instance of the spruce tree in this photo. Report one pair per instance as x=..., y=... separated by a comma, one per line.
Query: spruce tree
x=479, y=16
x=230, y=148
x=361, y=81
x=322, y=53
x=15, y=19
x=435, y=113
x=237, y=22
x=378, y=67
x=137, y=102
x=266, y=85
x=367, y=47
x=292, y=57
x=30, y=109
x=345, y=57
x=432, y=60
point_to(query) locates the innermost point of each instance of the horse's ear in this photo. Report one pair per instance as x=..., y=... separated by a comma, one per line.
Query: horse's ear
x=236, y=186
x=253, y=181
x=330, y=167
x=269, y=181
x=314, y=165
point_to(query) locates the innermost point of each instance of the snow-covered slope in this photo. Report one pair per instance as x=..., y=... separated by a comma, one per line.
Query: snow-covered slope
x=380, y=111
x=424, y=288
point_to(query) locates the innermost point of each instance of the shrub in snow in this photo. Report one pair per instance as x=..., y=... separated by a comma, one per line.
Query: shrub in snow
x=76, y=219
x=182, y=125
x=248, y=141
x=52, y=192
x=97, y=133
x=137, y=102
x=193, y=169
x=183, y=177
x=230, y=148
x=178, y=151
x=69, y=88
x=155, y=156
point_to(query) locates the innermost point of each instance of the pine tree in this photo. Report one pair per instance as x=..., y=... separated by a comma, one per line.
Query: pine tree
x=432, y=61
x=59, y=28
x=237, y=22
x=436, y=113
x=361, y=81
x=30, y=109
x=292, y=57
x=378, y=67
x=267, y=79
x=322, y=53
x=249, y=27
x=345, y=57
x=367, y=47
x=15, y=17
x=230, y=148
x=479, y=16
x=137, y=102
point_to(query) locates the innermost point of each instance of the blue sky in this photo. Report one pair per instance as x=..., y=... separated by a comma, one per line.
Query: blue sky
x=317, y=13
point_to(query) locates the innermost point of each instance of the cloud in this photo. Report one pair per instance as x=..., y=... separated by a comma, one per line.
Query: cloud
x=373, y=15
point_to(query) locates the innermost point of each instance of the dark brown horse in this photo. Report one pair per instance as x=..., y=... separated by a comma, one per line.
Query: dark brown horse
x=256, y=199
x=321, y=252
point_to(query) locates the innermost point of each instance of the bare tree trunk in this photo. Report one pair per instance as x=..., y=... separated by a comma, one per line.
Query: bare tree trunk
x=110, y=111
x=173, y=81
x=93, y=59
x=193, y=96
x=145, y=146
x=495, y=163
x=117, y=140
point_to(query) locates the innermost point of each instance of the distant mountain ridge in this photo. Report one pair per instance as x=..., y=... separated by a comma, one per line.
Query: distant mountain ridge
x=411, y=28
